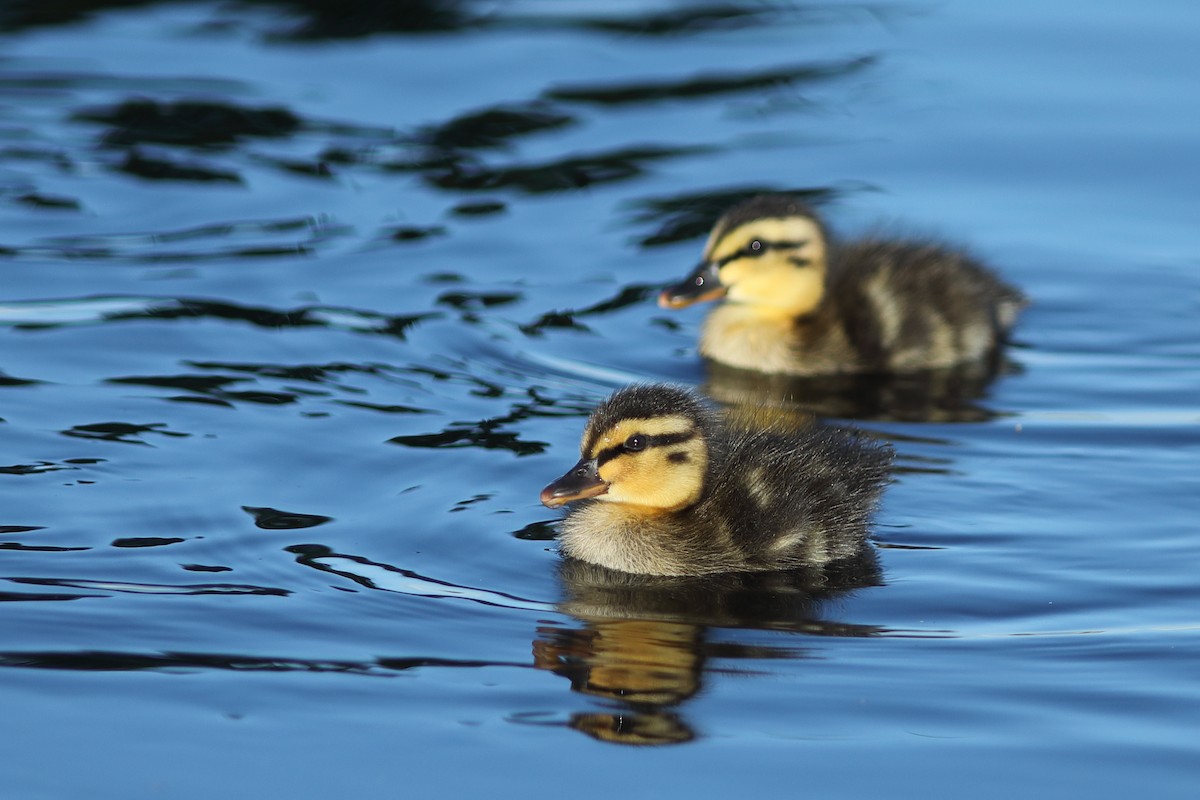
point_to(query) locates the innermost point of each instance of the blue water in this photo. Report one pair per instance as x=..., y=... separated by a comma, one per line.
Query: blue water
x=274, y=425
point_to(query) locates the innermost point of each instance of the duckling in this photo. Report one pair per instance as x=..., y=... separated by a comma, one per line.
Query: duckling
x=668, y=486
x=797, y=304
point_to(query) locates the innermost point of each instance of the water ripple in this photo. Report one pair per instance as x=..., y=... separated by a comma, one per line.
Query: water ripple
x=289, y=237
x=568, y=172
x=154, y=588
x=187, y=122
x=375, y=575
x=40, y=548
x=275, y=520
x=114, y=661
x=41, y=467
x=488, y=433
x=492, y=127
x=708, y=85
x=30, y=76
x=691, y=215
x=627, y=296
x=35, y=314
x=125, y=432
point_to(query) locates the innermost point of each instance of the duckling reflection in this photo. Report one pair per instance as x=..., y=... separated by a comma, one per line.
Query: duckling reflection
x=951, y=394
x=646, y=666
x=644, y=642
x=797, y=304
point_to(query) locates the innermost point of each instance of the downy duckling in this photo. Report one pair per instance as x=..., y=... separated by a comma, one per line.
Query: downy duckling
x=797, y=304
x=668, y=486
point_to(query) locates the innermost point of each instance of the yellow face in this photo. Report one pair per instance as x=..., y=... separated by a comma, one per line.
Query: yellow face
x=775, y=262
x=656, y=462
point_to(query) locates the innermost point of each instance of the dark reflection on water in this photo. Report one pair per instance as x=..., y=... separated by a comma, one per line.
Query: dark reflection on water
x=477, y=300
x=288, y=237
x=166, y=168
x=788, y=601
x=571, y=172
x=276, y=520
x=39, y=315
x=17, y=597
x=126, y=432
x=190, y=123
x=489, y=434
x=8, y=380
x=541, y=531
x=325, y=382
x=35, y=469
x=337, y=19
x=147, y=541
x=945, y=395
x=691, y=215
x=152, y=588
x=47, y=201
x=379, y=283
x=322, y=19
x=195, y=126
x=18, y=14
x=440, y=152
x=482, y=208
x=629, y=295
x=371, y=574
x=349, y=19
x=40, y=548
x=671, y=22
x=34, y=548
x=483, y=434
x=410, y=233
x=101, y=661
x=644, y=644
x=212, y=389
x=493, y=127
x=707, y=85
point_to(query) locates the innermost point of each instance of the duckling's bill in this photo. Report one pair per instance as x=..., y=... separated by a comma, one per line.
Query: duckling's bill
x=580, y=482
x=703, y=284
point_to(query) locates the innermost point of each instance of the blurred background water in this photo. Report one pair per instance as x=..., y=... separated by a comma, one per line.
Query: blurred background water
x=301, y=303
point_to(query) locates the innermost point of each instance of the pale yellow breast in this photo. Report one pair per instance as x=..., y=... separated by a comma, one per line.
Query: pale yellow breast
x=619, y=538
x=747, y=338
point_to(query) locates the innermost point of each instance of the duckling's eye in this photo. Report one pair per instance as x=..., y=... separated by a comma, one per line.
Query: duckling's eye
x=756, y=245
x=635, y=443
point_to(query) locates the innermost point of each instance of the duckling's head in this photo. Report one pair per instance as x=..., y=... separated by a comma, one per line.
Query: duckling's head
x=644, y=446
x=768, y=251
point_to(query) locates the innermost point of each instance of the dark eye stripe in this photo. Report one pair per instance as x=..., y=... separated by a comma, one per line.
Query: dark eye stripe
x=750, y=252
x=664, y=439
x=661, y=440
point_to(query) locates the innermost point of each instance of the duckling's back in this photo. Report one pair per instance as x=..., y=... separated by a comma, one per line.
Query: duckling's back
x=794, y=498
x=908, y=305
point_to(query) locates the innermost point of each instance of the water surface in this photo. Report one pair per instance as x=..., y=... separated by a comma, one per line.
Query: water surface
x=299, y=311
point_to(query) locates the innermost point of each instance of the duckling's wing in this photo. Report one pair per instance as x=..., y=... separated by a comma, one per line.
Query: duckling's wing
x=914, y=304
x=797, y=498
